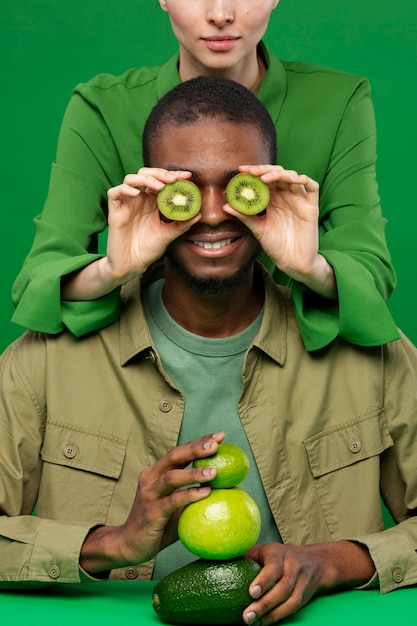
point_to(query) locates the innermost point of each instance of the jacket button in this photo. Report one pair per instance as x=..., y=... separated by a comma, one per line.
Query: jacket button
x=355, y=446
x=151, y=356
x=397, y=575
x=131, y=573
x=54, y=571
x=165, y=406
x=70, y=451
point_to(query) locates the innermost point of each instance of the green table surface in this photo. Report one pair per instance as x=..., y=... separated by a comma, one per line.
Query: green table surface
x=111, y=603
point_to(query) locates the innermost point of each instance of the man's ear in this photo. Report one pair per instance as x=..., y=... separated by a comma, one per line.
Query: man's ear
x=163, y=5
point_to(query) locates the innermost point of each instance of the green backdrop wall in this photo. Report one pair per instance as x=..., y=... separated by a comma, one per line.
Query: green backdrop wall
x=48, y=46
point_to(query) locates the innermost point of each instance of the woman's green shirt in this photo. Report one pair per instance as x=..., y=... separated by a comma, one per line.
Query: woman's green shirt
x=326, y=129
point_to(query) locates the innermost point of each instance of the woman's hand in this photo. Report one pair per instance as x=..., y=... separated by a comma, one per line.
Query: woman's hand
x=138, y=235
x=288, y=230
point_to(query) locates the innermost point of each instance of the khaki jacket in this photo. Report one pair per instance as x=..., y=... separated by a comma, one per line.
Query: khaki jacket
x=80, y=419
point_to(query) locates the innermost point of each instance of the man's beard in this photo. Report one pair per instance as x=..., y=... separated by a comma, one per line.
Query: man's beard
x=213, y=286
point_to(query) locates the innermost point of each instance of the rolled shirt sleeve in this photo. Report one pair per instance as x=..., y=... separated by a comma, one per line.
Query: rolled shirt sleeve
x=41, y=551
x=393, y=550
x=31, y=549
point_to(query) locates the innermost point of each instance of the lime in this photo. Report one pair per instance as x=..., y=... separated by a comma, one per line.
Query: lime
x=222, y=526
x=231, y=464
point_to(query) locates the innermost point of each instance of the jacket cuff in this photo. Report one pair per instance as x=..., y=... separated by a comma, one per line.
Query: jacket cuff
x=360, y=315
x=394, y=557
x=82, y=317
x=56, y=553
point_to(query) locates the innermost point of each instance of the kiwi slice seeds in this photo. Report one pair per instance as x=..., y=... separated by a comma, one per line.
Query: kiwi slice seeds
x=180, y=200
x=247, y=194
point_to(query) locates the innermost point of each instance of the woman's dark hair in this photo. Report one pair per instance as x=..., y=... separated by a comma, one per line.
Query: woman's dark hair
x=209, y=97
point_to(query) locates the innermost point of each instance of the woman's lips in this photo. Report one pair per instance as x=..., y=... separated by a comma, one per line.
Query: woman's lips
x=219, y=43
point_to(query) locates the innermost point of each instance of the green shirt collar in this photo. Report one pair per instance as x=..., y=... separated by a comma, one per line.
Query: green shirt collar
x=135, y=339
x=271, y=93
x=169, y=76
x=274, y=85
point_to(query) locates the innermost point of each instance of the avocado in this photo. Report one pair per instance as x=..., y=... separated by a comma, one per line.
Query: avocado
x=206, y=592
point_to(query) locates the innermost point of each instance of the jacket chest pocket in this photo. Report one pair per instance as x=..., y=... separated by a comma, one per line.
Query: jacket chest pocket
x=345, y=464
x=80, y=470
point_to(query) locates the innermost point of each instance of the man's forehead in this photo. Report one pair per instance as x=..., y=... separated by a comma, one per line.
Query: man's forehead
x=208, y=122
x=206, y=139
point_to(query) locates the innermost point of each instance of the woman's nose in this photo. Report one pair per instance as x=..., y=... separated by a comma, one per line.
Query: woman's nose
x=221, y=12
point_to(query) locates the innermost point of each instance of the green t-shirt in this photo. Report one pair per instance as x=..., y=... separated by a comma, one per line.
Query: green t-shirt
x=208, y=372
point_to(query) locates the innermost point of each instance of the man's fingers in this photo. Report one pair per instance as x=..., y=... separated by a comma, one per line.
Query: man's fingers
x=181, y=456
x=169, y=473
x=180, y=478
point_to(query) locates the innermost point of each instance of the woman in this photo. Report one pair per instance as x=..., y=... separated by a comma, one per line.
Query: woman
x=326, y=129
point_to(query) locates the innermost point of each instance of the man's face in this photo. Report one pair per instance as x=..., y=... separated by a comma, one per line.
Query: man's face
x=215, y=252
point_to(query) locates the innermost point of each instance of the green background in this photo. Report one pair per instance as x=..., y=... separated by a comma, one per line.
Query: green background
x=48, y=46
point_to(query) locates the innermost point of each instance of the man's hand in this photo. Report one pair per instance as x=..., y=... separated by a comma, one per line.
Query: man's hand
x=288, y=230
x=292, y=575
x=164, y=489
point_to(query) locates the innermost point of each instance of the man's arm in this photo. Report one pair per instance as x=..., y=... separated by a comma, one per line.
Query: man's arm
x=394, y=550
x=152, y=521
x=297, y=573
x=31, y=549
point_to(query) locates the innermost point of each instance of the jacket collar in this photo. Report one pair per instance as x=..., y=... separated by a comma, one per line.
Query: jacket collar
x=272, y=335
x=135, y=339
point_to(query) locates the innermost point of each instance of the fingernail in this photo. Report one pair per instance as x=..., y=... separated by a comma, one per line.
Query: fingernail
x=208, y=471
x=208, y=444
x=251, y=617
x=256, y=591
x=204, y=489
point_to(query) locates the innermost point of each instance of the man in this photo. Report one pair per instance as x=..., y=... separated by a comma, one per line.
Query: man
x=100, y=432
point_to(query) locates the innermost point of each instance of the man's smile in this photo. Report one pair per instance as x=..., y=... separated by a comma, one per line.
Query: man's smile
x=209, y=245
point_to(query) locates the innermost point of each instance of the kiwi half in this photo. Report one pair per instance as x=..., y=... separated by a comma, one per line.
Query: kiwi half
x=180, y=200
x=247, y=194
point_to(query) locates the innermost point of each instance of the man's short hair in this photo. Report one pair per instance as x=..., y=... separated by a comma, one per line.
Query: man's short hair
x=209, y=97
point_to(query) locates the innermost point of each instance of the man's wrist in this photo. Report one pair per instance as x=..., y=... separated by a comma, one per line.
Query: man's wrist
x=99, y=552
x=345, y=564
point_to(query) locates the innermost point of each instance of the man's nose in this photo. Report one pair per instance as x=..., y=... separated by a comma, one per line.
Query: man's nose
x=213, y=200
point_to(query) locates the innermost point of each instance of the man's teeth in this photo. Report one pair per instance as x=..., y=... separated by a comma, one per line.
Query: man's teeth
x=208, y=245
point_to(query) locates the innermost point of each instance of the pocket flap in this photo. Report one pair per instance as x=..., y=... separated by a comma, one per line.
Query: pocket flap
x=347, y=443
x=83, y=449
